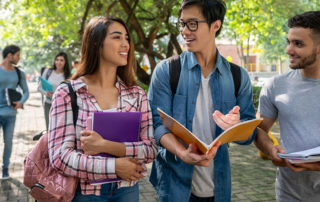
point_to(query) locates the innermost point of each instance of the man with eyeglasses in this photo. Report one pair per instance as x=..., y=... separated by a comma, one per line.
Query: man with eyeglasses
x=204, y=102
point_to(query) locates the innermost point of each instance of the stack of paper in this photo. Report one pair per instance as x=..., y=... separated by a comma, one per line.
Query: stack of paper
x=305, y=156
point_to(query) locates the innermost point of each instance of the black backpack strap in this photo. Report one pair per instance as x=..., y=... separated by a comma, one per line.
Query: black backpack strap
x=236, y=74
x=19, y=75
x=174, y=72
x=48, y=73
x=74, y=106
x=175, y=69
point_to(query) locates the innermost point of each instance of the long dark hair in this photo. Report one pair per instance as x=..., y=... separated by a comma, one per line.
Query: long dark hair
x=66, y=65
x=92, y=42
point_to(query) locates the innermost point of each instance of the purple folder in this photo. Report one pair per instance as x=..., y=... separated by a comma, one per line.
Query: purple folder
x=117, y=127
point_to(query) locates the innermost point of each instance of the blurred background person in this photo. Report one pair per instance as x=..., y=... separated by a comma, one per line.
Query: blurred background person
x=74, y=66
x=10, y=77
x=59, y=72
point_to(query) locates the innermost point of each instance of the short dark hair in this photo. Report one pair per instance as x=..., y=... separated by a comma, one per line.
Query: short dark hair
x=311, y=20
x=212, y=10
x=13, y=49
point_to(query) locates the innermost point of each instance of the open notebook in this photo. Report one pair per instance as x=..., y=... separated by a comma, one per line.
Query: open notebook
x=239, y=132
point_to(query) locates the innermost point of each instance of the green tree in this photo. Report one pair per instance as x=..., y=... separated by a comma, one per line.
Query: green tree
x=43, y=28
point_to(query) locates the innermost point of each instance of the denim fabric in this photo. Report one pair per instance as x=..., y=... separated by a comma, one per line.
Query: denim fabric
x=109, y=193
x=46, y=108
x=170, y=176
x=7, y=124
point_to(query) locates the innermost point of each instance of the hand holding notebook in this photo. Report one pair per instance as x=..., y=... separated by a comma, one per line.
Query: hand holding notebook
x=45, y=84
x=12, y=96
x=116, y=127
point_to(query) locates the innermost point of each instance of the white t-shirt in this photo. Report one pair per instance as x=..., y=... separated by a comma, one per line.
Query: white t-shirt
x=203, y=127
x=55, y=79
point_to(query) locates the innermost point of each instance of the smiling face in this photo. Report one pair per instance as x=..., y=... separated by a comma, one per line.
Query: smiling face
x=59, y=63
x=116, y=46
x=301, y=49
x=203, y=37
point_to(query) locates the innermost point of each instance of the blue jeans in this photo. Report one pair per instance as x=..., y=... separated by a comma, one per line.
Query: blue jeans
x=110, y=193
x=7, y=124
x=46, y=107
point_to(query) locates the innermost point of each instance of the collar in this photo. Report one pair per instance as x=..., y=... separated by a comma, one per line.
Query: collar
x=192, y=62
x=79, y=84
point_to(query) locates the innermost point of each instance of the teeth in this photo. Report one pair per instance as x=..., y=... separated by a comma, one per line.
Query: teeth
x=123, y=53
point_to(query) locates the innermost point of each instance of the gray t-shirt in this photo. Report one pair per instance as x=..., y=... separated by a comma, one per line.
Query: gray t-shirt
x=203, y=127
x=295, y=101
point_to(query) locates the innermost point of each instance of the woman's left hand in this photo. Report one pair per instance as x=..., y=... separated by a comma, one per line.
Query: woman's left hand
x=91, y=142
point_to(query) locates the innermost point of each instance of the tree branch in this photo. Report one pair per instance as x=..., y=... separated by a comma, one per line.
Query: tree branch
x=84, y=18
x=110, y=7
x=162, y=35
x=132, y=12
x=149, y=52
x=134, y=22
x=175, y=43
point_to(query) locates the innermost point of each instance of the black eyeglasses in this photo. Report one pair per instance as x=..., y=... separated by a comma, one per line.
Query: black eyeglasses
x=192, y=25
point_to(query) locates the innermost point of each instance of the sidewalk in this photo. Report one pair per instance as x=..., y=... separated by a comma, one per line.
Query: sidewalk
x=252, y=178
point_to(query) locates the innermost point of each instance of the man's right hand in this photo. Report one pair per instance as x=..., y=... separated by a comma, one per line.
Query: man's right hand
x=276, y=160
x=192, y=156
x=128, y=169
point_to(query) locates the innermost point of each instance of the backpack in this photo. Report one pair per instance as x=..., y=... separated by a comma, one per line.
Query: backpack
x=45, y=182
x=19, y=76
x=48, y=73
x=175, y=69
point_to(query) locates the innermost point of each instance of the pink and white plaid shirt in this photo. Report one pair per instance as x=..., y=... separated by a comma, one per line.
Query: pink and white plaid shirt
x=65, y=152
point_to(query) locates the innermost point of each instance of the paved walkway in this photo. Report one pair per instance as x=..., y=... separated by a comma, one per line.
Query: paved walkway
x=252, y=178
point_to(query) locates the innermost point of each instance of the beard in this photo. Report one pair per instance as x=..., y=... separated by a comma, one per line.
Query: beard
x=306, y=61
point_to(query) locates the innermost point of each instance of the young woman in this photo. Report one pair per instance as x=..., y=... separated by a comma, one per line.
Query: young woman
x=55, y=75
x=104, y=81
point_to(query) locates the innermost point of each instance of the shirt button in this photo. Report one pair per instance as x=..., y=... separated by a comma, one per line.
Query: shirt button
x=198, y=84
x=190, y=121
x=193, y=102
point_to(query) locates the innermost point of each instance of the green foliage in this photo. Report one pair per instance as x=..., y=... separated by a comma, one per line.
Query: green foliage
x=42, y=28
x=143, y=86
x=263, y=23
x=255, y=97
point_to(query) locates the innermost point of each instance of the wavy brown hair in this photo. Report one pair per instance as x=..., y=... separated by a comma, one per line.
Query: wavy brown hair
x=92, y=42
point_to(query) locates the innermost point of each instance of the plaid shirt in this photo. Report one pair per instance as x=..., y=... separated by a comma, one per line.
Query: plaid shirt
x=66, y=154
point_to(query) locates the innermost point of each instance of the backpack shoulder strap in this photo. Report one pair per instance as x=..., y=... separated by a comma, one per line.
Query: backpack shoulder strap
x=74, y=106
x=48, y=73
x=19, y=75
x=236, y=74
x=174, y=72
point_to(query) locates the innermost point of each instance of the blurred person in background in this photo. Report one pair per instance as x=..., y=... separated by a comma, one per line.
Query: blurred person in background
x=9, y=78
x=59, y=72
